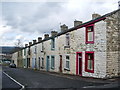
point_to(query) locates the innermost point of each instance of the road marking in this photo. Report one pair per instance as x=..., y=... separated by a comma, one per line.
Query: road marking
x=15, y=80
x=88, y=86
x=103, y=86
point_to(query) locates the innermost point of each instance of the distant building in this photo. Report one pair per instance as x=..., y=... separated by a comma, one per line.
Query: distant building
x=119, y=4
x=6, y=52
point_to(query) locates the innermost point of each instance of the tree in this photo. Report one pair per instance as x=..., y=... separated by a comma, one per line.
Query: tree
x=18, y=43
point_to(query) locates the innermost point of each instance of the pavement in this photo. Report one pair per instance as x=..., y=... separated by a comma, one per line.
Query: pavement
x=0, y=78
x=33, y=79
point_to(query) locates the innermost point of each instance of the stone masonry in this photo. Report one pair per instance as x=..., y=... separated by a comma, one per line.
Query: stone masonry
x=106, y=48
x=113, y=44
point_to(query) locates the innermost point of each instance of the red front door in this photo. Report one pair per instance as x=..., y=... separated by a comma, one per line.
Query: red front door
x=79, y=63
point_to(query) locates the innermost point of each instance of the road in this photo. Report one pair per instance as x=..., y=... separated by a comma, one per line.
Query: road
x=39, y=79
x=7, y=83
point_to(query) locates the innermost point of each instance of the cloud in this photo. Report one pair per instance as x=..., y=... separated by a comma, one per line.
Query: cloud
x=4, y=30
x=33, y=17
x=29, y=20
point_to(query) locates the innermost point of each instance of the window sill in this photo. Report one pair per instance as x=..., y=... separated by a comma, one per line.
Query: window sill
x=67, y=69
x=90, y=42
x=52, y=49
x=52, y=68
x=66, y=46
x=90, y=71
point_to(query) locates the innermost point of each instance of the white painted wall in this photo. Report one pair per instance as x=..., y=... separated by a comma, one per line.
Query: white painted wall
x=14, y=57
x=77, y=44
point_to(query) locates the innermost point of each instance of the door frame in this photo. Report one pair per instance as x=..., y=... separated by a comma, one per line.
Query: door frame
x=47, y=63
x=61, y=62
x=77, y=63
x=27, y=63
x=33, y=63
x=39, y=59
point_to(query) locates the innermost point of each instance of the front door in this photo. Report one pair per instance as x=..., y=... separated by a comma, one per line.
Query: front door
x=47, y=63
x=39, y=63
x=33, y=63
x=79, y=63
x=60, y=68
x=28, y=62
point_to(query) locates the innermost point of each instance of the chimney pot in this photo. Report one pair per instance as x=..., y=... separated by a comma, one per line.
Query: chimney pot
x=39, y=39
x=46, y=36
x=53, y=33
x=34, y=41
x=95, y=15
x=63, y=27
x=26, y=45
x=30, y=43
x=118, y=4
x=76, y=23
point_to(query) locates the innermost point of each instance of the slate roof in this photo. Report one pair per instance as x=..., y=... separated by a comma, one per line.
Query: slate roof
x=79, y=26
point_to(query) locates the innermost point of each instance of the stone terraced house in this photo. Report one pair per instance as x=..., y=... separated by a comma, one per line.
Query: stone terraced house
x=89, y=49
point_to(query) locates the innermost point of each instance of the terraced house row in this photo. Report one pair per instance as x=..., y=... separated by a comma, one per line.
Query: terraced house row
x=90, y=49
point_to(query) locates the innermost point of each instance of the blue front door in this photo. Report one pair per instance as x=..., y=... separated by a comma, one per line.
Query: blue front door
x=33, y=63
x=47, y=63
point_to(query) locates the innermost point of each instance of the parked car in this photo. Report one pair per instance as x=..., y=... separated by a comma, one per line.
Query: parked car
x=12, y=65
x=5, y=62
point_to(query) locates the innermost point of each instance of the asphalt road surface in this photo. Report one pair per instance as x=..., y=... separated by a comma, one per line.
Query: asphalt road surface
x=39, y=79
x=7, y=83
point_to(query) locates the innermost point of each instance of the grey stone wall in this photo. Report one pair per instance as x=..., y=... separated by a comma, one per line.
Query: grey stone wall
x=113, y=45
x=77, y=44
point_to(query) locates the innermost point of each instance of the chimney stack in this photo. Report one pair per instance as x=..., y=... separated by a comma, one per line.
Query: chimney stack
x=26, y=45
x=76, y=23
x=53, y=33
x=95, y=15
x=46, y=36
x=30, y=43
x=63, y=27
x=34, y=41
x=39, y=39
x=118, y=4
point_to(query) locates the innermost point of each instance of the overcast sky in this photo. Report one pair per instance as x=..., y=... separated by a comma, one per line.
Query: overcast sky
x=30, y=20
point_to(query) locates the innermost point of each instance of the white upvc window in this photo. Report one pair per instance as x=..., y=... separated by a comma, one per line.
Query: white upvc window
x=67, y=66
x=35, y=51
x=52, y=62
x=90, y=34
x=53, y=44
x=89, y=61
x=42, y=47
x=67, y=39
